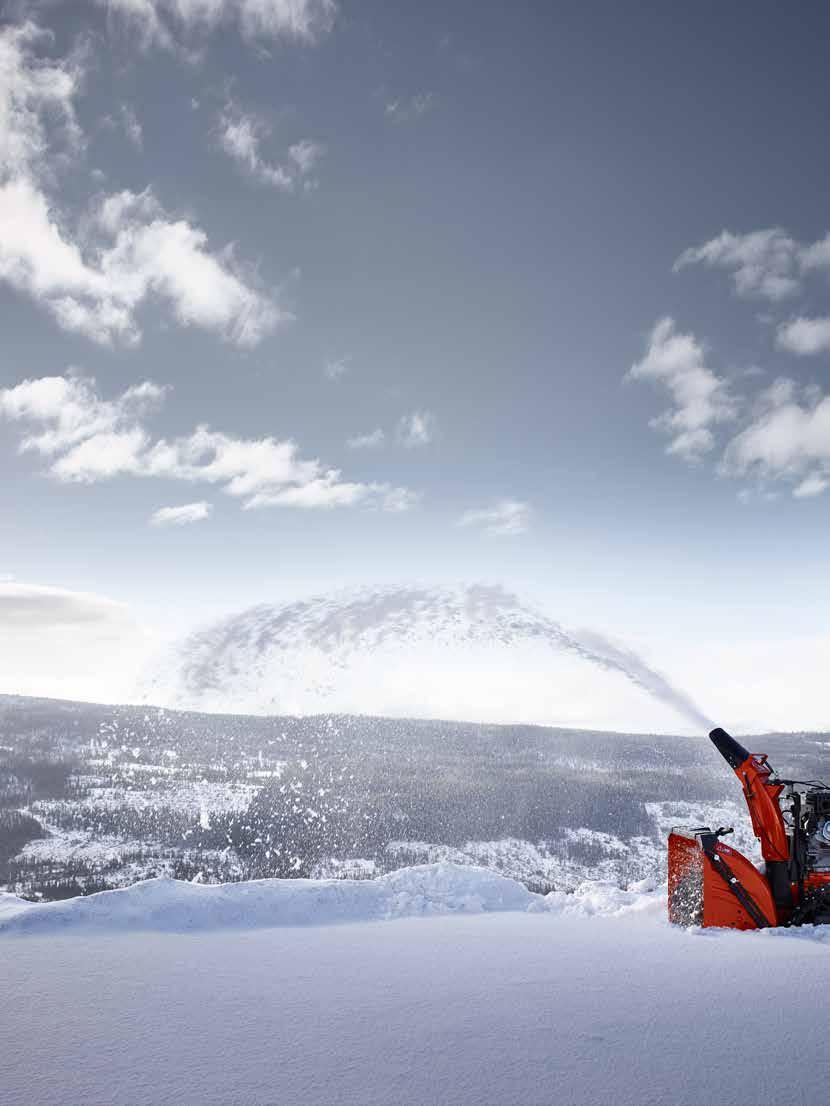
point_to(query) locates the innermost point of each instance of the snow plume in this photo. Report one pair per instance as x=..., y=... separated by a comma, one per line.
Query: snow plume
x=639, y=673
x=412, y=651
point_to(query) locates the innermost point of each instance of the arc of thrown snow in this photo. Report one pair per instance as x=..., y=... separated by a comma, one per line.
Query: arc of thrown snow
x=374, y=616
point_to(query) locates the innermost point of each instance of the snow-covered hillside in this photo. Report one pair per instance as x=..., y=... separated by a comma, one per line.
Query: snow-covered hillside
x=477, y=993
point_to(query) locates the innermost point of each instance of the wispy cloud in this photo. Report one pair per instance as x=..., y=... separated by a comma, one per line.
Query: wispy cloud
x=765, y=264
x=241, y=135
x=306, y=154
x=132, y=127
x=181, y=516
x=166, y=23
x=784, y=430
x=503, y=519
x=403, y=110
x=811, y=485
x=37, y=112
x=700, y=398
x=804, y=336
x=96, y=276
x=87, y=439
x=32, y=607
x=68, y=644
x=337, y=367
x=416, y=429
x=373, y=440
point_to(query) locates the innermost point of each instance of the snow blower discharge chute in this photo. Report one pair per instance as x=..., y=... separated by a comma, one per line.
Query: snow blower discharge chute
x=711, y=884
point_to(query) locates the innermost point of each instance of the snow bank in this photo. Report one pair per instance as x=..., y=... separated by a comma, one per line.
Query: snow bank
x=175, y=906
x=605, y=898
x=168, y=905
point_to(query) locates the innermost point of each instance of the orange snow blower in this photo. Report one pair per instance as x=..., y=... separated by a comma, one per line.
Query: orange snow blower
x=711, y=884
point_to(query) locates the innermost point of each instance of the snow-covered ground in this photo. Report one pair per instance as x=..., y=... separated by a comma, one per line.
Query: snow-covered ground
x=475, y=992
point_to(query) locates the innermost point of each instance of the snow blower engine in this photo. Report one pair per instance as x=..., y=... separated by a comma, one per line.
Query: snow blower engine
x=712, y=884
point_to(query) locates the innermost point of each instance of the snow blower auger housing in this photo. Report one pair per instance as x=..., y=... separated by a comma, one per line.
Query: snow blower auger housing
x=711, y=884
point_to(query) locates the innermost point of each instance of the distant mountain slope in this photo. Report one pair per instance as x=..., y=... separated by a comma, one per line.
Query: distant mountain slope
x=99, y=796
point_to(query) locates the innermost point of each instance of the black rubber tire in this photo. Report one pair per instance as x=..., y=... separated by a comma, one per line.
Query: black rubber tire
x=813, y=910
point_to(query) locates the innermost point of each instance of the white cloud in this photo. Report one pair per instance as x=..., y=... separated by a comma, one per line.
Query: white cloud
x=108, y=454
x=416, y=429
x=241, y=136
x=36, y=102
x=164, y=23
x=68, y=411
x=403, y=110
x=804, y=336
x=32, y=606
x=66, y=643
x=306, y=154
x=337, y=367
x=811, y=485
x=181, y=516
x=328, y=490
x=96, y=287
x=301, y=19
x=397, y=499
x=245, y=466
x=132, y=127
x=373, y=440
x=505, y=518
x=765, y=264
x=787, y=439
x=700, y=397
x=128, y=251
x=817, y=255
x=87, y=439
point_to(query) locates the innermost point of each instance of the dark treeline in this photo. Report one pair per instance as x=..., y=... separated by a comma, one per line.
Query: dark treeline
x=16, y=828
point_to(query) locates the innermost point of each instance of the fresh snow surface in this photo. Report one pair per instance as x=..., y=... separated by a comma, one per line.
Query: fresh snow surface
x=235, y=996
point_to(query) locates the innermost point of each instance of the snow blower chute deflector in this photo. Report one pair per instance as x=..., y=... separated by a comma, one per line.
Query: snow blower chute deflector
x=711, y=884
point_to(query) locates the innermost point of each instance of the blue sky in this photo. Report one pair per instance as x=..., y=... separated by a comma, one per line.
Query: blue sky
x=437, y=247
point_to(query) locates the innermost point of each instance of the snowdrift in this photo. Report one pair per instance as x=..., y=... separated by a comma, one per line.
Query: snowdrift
x=479, y=994
x=169, y=905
